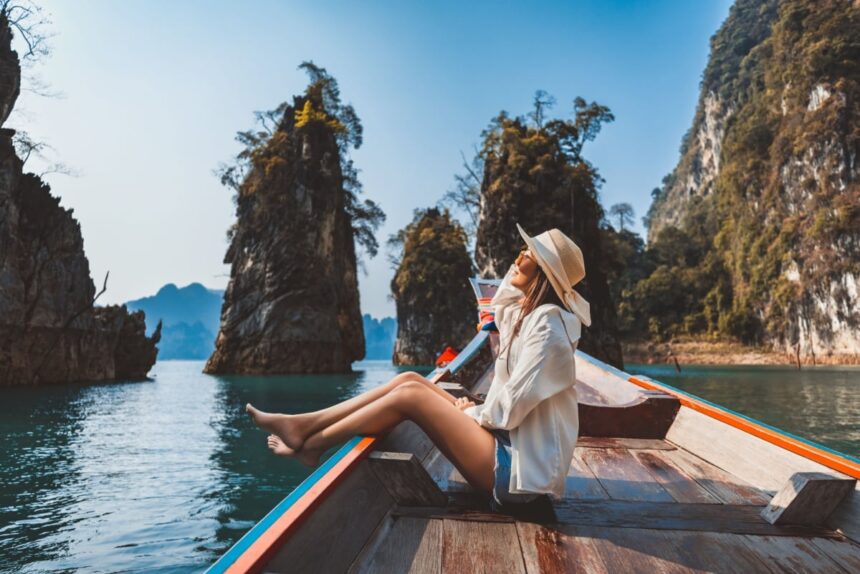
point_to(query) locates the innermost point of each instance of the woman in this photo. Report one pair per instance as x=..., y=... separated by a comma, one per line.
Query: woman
x=526, y=429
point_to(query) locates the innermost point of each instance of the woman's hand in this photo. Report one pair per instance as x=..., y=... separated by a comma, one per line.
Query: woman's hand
x=463, y=403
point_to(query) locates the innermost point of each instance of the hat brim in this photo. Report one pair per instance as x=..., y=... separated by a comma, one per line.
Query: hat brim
x=543, y=258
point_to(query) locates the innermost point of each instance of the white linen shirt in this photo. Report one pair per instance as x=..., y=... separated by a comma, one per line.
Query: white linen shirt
x=536, y=402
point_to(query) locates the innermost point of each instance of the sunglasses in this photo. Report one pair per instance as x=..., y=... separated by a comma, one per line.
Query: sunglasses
x=525, y=253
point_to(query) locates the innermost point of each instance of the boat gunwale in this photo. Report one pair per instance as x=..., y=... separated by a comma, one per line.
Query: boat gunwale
x=805, y=448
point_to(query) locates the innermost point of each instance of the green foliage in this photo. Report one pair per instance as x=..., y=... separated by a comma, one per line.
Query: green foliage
x=624, y=213
x=535, y=175
x=431, y=283
x=675, y=286
x=274, y=151
x=767, y=215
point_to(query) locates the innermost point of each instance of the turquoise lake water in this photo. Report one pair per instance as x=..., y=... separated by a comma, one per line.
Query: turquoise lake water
x=165, y=475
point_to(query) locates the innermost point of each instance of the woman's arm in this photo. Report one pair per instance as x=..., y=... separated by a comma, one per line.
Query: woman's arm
x=545, y=366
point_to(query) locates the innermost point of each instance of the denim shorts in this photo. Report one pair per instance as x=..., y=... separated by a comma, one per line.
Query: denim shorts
x=502, y=471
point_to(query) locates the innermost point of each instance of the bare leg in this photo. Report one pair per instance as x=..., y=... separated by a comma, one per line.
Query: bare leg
x=470, y=447
x=294, y=429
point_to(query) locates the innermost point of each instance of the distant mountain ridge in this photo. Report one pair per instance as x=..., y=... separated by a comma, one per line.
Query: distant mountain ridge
x=191, y=317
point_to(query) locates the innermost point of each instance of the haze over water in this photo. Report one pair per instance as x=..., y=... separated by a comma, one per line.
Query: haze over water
x=164, y=476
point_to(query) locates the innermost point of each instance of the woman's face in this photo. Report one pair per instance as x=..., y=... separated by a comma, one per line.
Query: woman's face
x=526, y=270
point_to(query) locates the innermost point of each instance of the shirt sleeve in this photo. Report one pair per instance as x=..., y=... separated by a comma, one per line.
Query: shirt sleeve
x=545, y=366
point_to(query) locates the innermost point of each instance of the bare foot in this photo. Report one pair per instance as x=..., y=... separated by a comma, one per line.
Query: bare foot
x=287, y=427
x=305, y=456
x=277, y=446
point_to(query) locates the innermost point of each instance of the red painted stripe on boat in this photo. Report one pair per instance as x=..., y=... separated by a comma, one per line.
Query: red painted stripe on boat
x=828, y=459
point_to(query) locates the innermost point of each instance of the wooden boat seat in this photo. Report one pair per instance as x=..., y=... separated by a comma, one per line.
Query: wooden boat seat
x=808, y=498
x=646, y=416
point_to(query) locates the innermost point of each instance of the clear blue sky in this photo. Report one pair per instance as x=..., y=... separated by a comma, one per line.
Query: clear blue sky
x=153, y=93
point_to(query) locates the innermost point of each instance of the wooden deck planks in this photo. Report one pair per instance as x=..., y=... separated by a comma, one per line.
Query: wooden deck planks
x=844, y=552
x=480, y=547
x=580, y=483
x=734, y=518
x=716, y=552
x=558, y=549
x=677, y=483
x=727, y=488
x=408, y=545
x=633, y=551
x=623, y=476
x=793, y=554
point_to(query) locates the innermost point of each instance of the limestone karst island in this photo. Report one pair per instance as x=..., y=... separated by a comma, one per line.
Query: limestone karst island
x=430, y=287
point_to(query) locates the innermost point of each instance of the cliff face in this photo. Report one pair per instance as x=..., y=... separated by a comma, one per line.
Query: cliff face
x=292, y=302
x=534, y=175
x=49, y=331
x=772, y=155
x=436, y=306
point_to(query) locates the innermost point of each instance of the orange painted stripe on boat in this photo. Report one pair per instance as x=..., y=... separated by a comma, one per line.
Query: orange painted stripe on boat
x=263, y=549
x=828, y=459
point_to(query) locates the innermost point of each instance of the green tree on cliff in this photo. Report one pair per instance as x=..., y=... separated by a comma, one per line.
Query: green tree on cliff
x=535, y=175
x=435, y=303
x=321, y=104
x=778, y=233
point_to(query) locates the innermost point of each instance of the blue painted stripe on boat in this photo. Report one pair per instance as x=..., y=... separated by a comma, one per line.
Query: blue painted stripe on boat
x=750, y=419
x=228, y=558
x=605, y=366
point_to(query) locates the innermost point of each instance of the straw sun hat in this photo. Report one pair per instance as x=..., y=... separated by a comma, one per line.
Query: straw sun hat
x=561, y=260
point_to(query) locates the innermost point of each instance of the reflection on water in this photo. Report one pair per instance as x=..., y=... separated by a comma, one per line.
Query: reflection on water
x=159, y=476
x=821, y=404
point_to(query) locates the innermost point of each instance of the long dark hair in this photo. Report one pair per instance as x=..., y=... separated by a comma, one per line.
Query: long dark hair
x=540, y=291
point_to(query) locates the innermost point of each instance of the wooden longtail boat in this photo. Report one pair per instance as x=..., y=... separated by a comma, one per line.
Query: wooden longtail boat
x=661, y=481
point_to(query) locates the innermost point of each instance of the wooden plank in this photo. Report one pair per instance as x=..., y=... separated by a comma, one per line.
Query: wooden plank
x=717, y=552
x=633, y=551
x=409, y=545
x=739, y=519
x=646, y=550
x=557, y=549
x=622, y=476
x=580, y=483
x=725, y=487
x=360, y=502
x=476, y=547
x=844, y=552
x=405, y=479
x=808, y=498
x=792, y=554
x=628, y=443
x=677, y=483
